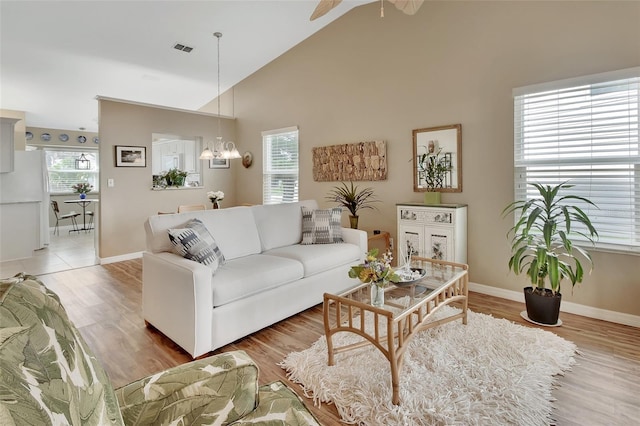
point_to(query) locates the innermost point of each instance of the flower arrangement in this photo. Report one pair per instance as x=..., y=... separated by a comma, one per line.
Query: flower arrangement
x=215, y=196
x=375, y=270
x=82, y=188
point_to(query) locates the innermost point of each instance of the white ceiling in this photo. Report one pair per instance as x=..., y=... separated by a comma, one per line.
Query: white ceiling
x=57, y=56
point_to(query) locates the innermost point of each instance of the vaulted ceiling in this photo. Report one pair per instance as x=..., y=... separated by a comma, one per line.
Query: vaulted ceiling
x=57, y=56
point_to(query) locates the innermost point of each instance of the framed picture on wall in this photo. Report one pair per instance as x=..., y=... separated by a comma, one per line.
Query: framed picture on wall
x=219, y=163
x=131, y=156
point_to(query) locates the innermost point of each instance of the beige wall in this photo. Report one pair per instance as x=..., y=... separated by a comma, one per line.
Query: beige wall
x=125, y=206
x=366, y=78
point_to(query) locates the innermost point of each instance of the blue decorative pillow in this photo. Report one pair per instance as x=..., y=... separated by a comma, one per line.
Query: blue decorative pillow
x=194, y=242
x=321, y=226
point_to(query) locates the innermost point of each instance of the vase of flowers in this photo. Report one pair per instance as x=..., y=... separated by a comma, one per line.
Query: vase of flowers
x=215, y=197
x=82, y=188
x=377, y=272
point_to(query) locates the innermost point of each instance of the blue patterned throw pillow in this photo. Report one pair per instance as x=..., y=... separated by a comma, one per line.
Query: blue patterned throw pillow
x=321, y=226
x=194, y=242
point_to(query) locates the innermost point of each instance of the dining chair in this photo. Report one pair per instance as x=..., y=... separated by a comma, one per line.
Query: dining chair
x=90, y=214
x=72, y=215
x=190, y=207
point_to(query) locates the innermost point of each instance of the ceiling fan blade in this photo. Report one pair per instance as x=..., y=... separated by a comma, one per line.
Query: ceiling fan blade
x=323, y=8
x=410, y=7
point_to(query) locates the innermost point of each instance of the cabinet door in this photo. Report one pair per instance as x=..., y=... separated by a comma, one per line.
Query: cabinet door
x=439, y=243
x=410, y=242
x=190, y=156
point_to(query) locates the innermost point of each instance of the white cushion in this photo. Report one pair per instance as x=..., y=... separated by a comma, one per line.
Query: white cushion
x=280, y=225
x=235, y=231
x=245, y=276
x=317, y=258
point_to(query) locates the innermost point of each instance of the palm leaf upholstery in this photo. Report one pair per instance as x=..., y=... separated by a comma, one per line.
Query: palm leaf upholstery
x=49, y=376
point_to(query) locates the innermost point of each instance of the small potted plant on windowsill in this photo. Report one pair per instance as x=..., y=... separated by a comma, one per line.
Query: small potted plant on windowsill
x=541, y=245
x=353, y=199
x=175, y=177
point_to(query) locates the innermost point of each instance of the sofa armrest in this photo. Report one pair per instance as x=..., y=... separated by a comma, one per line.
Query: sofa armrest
x=357, y=237
x=219, y=389
x=177, y=297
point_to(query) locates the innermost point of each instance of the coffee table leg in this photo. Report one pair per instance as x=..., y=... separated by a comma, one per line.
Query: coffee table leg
x=330, y=360
x=395, y=381
x=327, y=329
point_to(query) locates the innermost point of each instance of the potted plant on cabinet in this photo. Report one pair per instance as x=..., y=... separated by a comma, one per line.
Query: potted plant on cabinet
x=433, y=170
x=353, y=199
x=542, y=247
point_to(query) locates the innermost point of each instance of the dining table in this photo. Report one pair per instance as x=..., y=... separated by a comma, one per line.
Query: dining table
x=82, y=202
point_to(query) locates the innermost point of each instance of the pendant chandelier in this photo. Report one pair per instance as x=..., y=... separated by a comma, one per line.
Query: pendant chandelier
x=83, y=163
x=221, y=150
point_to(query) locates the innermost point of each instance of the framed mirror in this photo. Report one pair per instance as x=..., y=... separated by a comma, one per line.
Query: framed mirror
x=437, y=159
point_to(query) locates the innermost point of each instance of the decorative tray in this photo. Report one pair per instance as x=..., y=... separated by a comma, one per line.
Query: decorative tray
x=416, y=275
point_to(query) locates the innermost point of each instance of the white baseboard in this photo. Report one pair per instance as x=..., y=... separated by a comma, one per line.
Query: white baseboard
x=569, y=307
x=113, y=259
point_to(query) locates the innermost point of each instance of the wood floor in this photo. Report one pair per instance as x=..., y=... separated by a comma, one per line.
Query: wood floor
x=105, y=304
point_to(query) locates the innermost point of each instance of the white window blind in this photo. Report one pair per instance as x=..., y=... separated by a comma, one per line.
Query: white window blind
x=61, y=166
x=585, y=131
x=280, y=166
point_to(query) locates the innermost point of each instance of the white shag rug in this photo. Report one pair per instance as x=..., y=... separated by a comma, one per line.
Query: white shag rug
x=489, y=372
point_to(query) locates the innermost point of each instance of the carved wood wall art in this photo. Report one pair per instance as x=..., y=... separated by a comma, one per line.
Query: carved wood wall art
x=350, y=162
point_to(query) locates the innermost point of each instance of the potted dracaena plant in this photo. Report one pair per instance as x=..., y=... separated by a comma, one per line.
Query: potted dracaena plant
x=542, y=247
x=353, y=199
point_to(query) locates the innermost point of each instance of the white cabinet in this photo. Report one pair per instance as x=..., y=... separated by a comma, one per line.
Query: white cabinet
x=433, y=231
x=7, y=149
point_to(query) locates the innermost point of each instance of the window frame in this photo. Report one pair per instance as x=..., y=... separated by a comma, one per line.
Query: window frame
x=270, y=170
x=93, y=171
x=537, y=159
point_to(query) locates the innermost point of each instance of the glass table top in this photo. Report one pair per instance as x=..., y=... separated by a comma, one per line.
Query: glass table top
x=400, y=298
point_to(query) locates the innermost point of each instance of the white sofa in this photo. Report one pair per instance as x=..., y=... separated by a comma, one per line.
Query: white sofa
x=267, y=275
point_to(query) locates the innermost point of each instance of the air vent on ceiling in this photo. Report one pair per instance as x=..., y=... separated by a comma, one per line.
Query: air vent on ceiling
x=182, y=47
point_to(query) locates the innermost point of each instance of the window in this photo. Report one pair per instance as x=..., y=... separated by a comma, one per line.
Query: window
x=280, y=166
x=585, y=131
x=61, y=165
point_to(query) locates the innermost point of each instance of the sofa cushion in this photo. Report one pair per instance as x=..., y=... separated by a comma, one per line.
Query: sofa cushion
x=217, y=390
x=280, y=225
x=194, y=242
x=321, y=226
x=48, y=375
x=245, y=276
x=234, y=229
x=317, y=258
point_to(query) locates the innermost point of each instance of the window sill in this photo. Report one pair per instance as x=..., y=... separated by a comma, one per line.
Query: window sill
x=173, y=188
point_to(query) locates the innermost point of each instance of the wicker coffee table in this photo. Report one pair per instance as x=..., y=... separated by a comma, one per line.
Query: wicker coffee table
x=408, y=309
